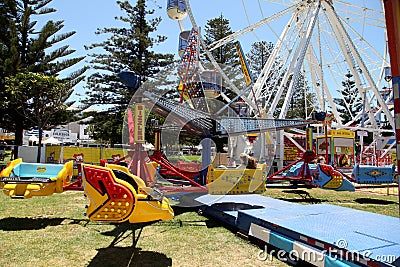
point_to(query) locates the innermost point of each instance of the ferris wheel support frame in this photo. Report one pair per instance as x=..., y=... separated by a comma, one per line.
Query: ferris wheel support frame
x=262, y=78
x=318, y=75
x=392, y=10
x=294, y=68
x=348, y=51
x=372, y=86
x=301, y=52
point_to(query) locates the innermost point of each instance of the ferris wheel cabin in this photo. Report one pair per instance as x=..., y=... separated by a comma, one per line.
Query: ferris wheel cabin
x=183, y=40
x=176, y=9
x=212, y=83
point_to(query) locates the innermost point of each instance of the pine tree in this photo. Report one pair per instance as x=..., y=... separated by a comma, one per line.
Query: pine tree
x=258, y=56
x=24, y=48
x=303, y=101
x=215, y=30
x=351, y=103
x=126, y=48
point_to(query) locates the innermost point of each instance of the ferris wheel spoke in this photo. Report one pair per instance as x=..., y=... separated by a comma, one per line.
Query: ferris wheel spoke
x=300, y=54
x=324, y=92
x=281, y=2
x=251, y=28
x=339, y=26
x=357, y=17
x=271, y=62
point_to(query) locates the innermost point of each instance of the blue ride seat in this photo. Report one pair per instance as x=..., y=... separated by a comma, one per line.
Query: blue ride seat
x=366, y=174
x=24, y=180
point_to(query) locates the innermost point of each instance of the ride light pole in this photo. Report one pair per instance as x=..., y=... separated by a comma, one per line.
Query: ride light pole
x=392, y=16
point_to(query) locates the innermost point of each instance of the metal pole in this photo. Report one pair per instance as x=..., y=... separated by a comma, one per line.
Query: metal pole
x=392, y=16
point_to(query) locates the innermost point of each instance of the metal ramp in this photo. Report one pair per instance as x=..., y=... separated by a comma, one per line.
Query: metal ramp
x=321, y=234
x=243, y=125
x=203, y=123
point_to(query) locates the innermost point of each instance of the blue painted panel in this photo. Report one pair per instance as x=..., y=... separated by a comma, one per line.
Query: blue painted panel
x=373, y=174
x=29, y=170
x=281, y=242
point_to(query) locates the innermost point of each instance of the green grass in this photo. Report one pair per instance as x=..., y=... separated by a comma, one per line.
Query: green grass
x=186, y=158
x=52, y=231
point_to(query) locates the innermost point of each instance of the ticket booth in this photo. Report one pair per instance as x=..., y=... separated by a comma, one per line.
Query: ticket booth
x=340, y=147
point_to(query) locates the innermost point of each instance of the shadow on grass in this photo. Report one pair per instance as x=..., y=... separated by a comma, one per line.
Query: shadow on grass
x=129, y=256
x=305, y=197
x=178, y=210
x=374, y=201
x=16, y=224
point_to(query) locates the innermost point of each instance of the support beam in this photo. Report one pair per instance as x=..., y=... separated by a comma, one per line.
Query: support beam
x=392, y=16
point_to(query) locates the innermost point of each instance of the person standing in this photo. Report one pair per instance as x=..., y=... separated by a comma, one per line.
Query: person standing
x=3, y=146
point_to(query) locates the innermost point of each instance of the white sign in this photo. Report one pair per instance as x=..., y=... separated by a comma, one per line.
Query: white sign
x=362, y=133
x=61, y=134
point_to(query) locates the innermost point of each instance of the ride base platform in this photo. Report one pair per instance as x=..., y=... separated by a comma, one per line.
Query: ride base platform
x=321, y=234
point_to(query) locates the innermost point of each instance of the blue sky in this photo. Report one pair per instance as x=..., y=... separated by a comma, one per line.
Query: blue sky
x=85, y=16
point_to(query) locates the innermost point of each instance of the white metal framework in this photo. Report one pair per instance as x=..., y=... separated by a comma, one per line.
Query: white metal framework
x=322, y=41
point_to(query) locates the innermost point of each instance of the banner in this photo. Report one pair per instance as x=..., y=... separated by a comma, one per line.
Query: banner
x=309, y=138
x=139, y=123
x=243, y=63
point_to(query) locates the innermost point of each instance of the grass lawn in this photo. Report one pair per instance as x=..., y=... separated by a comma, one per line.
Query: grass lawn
x=52, y=231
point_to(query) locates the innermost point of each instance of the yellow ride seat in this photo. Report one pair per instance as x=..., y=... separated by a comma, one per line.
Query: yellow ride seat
x=25, y=180
x=116, y=195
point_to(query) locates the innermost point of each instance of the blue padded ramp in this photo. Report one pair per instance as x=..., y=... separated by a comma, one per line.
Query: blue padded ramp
x=318, y=225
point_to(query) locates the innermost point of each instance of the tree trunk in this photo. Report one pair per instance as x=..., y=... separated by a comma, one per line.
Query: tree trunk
x=19, y=133
x=39, y=152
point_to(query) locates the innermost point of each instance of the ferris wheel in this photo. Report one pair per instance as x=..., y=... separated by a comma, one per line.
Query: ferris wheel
x=316, y=43
x=319, y=41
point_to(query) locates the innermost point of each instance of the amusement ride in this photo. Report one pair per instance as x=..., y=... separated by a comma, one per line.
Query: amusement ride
x=239, y=110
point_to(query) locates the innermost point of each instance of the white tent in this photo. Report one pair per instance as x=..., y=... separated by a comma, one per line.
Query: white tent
x=33, y=138
x=51, y=141
x=148, y=146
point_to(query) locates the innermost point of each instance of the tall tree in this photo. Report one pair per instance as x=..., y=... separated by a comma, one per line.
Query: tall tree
x=25, y=48
x=302, y=102
x=258, y=56
x=215, y=30
x=126, y=48
x=350, y=104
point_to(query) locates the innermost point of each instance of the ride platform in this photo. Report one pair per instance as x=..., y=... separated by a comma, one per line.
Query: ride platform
x=321, y=234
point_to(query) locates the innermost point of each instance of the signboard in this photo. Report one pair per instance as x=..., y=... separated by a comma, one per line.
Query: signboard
x=139, y=123
x=61, y=134
x=321, y=146
x=309, y=138
x=290, y=153
x=362, y=133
